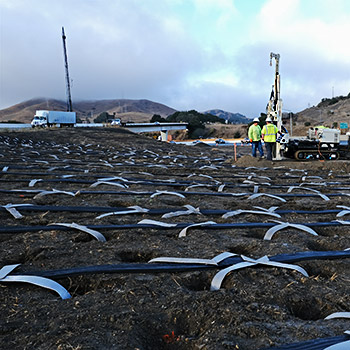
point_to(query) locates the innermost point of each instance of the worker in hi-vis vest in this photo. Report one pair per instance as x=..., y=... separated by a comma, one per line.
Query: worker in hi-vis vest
x=269, y=135
x=254, y=134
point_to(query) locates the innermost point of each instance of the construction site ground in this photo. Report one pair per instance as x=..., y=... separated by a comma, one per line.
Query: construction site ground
x=256, y=307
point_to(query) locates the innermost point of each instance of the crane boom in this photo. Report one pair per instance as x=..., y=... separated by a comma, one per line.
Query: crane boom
x=69, y=98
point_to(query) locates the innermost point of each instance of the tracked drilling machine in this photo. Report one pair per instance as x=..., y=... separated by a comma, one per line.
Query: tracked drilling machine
x=320, y=143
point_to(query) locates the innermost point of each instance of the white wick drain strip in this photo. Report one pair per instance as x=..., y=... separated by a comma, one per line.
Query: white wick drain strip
x=36, y=280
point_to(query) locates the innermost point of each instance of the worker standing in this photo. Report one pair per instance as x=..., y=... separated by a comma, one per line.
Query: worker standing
x=254, y=134
x=269, y=135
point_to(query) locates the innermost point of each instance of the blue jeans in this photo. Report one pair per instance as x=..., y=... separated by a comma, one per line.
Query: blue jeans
x=270, y=149
x=255, y=145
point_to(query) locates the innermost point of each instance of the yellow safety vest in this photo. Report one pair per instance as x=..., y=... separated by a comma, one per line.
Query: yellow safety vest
x=269, y=131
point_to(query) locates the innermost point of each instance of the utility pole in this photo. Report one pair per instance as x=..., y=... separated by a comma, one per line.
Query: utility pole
x=69, y=98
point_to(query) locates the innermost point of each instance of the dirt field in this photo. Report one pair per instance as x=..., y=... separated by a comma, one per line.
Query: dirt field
x=257, y=307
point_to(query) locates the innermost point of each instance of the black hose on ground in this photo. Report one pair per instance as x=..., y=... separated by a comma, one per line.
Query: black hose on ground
x=171, y=268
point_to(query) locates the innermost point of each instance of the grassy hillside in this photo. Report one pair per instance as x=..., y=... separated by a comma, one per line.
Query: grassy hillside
x=130, y=110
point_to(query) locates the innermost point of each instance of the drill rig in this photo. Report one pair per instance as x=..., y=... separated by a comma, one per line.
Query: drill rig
x=274, y=106
x=321, y=143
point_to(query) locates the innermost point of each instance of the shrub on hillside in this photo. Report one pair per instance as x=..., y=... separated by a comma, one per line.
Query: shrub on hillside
x=157, y=118
x=195, y=120
x=103, y=117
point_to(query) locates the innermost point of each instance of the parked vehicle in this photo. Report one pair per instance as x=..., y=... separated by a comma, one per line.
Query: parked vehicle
x=44, y=119
x=116, y=122
x=220, y=141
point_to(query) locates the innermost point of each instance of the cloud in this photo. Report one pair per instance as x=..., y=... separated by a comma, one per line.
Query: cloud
x=189, y=54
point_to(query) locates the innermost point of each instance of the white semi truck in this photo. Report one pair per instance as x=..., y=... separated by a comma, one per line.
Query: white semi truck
x=53, y=118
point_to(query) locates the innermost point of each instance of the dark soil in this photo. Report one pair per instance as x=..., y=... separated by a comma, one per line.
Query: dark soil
x=257, y=307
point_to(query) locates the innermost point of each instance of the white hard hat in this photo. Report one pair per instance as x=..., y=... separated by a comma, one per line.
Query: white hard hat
x=268, y=119
x=256, y=120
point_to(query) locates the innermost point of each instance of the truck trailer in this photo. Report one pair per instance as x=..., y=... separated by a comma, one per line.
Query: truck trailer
x=53, y=118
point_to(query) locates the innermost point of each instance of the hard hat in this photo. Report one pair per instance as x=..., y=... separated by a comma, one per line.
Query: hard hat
x=268, y=119
x=256, y=120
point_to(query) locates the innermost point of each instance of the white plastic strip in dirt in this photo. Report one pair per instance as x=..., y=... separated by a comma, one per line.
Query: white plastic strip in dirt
x=113, y=178
x=109, y=183
x=33, y=182
x=190, y=210
x=257, y=195
x=45, y=193
x=323, y=196
x=209, y=167
x=11, y=208
x=155, y=223
x=269, y=210
x=99, y=236
x=254, y=167
x=133, y=210
x=313, y=184
x=242, y=211
x=346, y=210
x=5, y=270
x=282, y=225
x=236, y=194
x=5, y=168
x=215, y=261
x=202, y=175
x=158, y=193
x=311, y=177
x=157, y=165
x=258, y=176
x=219, y=277
x=250, y=182
x=194, y=186
x=345, y=345
x=338, y=315
x=301, y=170
x=202, y=224
x=221, y=187
x=36, y=280
x=343, y=222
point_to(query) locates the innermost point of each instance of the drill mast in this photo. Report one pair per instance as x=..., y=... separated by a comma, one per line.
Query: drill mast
x=274, y=107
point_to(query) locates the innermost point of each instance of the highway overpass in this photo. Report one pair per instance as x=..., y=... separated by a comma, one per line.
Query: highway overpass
x=163, y=128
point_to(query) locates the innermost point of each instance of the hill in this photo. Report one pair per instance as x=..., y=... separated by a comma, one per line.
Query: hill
x=233, y=118
x=128, y=110
x=328, y=112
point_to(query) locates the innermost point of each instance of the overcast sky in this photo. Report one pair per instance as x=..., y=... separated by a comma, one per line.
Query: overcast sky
x=187, y=54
